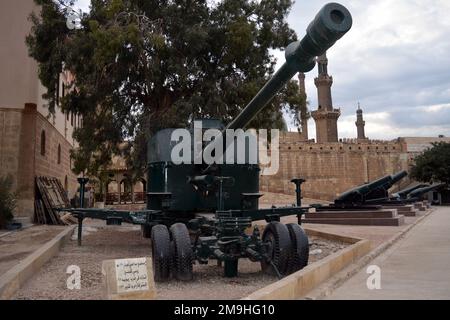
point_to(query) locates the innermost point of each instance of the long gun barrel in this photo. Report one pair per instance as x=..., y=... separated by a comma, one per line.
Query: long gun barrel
x=420, y=192
x=402, y=194
x=331, y=23
x=382, y=191
x=358, y=194
x=397, y=177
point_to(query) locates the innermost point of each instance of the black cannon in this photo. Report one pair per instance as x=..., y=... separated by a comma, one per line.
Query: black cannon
x=371, y=193
x=383, y=191
x=417, y=194
x=198, y=211
x=403, y=194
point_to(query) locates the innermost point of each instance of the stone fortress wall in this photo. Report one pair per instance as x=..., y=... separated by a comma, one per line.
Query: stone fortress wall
x=331, y=168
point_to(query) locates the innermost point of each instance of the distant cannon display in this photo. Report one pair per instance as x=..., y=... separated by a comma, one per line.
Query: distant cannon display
x=377, y=193
x=369, y=193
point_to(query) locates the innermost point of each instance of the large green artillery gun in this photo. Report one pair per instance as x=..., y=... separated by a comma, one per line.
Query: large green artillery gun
x=199, y=211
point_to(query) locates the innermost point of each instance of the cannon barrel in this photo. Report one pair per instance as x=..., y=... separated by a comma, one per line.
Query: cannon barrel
x=359, y=192
x=420, y=192
x=403, y=193
x=331, y=23
x=398, y=176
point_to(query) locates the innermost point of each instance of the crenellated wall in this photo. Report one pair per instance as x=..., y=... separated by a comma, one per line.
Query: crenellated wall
x=332, y=168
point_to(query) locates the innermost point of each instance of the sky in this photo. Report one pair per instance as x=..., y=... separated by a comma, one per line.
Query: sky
x=395, y=62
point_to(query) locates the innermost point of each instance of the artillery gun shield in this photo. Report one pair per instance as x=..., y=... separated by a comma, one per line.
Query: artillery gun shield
x=161, y=255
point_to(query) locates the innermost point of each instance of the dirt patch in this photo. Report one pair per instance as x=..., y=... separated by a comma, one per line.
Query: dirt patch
x=18, y=245
x=112, y=242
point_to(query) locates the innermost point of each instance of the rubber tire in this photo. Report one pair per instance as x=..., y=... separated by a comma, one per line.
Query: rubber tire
x=161, y=255
x=183, y=256
x=146, y=231
x=281, y=248
x=300, y=248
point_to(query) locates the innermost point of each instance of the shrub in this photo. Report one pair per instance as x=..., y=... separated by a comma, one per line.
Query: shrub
x=7, y=201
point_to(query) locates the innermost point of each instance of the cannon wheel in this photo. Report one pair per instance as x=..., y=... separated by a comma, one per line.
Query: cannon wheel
x=182, y=252
x=146, y=231
x=277, y=234
x=300, y=248
x=161, y=255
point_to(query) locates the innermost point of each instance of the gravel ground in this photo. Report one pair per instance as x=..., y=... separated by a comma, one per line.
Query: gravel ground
x=112, y=242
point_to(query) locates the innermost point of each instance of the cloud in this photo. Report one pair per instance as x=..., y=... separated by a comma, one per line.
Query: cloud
x=83, y=4
x=394, y=61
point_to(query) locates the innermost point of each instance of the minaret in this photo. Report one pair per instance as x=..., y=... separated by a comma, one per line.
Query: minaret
x=303, y=115
x=326, y=116
x=360, y=123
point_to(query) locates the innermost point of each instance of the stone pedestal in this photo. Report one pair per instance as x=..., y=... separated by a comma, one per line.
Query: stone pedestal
x=128, y=279
x=356, y=218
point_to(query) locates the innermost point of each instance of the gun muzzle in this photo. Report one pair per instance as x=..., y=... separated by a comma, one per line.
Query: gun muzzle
x=331, y=23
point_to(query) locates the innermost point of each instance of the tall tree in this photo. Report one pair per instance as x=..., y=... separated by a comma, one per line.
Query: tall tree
x=143, y=65
x=433, y=165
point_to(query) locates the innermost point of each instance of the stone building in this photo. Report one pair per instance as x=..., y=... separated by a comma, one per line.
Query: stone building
x=32, y=142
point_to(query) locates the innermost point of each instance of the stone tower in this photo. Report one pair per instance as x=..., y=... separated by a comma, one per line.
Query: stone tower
x=360, y=123
x=303, y=115
x=326, y=116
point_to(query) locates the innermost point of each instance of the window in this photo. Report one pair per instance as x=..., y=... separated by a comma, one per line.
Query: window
x=43, y=142
x=59, y=154
x=57, y=90
x=71, y=119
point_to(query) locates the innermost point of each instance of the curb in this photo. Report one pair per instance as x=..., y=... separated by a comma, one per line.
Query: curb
x=300, y=283
x=12, y=232
x=14, y=278
x=336, y=281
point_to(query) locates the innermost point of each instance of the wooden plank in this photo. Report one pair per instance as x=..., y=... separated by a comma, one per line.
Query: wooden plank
x=50, y=195
x=46, y=201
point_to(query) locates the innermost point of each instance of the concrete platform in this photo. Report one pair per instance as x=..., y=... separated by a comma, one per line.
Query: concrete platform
x=386, y=217
x=408, y=210
x=396, y=221
x=389, y=213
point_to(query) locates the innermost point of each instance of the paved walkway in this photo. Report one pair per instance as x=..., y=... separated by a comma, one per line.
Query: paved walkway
x=417, y=267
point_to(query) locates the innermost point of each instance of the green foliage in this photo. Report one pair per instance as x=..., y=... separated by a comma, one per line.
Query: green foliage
x=142, y=66
x=7, y=200
x=433, y=165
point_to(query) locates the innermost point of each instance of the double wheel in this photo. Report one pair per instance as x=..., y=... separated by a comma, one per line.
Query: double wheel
x=288, y=249
x=172, y=253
